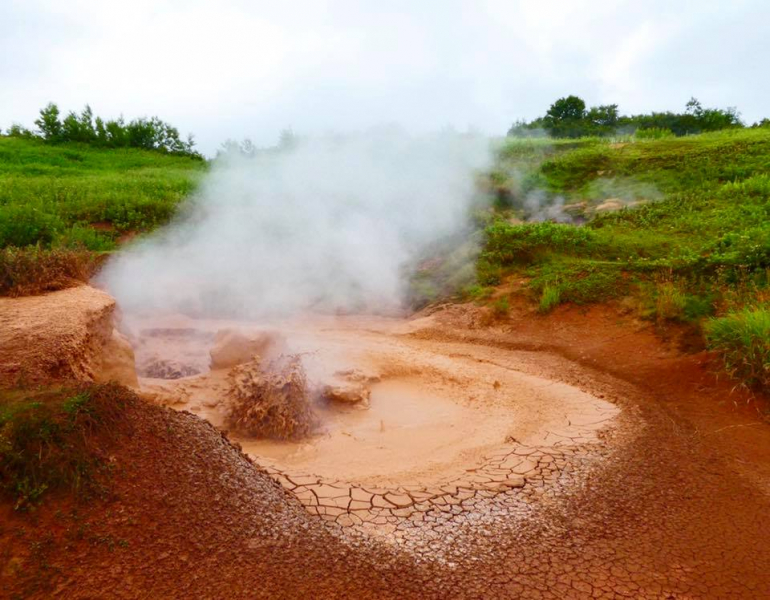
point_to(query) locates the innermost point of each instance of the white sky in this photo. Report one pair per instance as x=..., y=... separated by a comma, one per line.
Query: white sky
x=238, y=68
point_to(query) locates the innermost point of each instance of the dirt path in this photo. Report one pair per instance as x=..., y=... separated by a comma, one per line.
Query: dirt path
x=668, y=499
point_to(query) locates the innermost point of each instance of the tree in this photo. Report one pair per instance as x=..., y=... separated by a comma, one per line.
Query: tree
x=48, y=123
x=604, y=116
x=570, y=108
x=565, y=117
x=288, y=140
x=17, y=130
x=79, y=128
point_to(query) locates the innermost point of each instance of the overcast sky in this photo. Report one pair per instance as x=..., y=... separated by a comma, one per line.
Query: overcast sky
x=237, y=68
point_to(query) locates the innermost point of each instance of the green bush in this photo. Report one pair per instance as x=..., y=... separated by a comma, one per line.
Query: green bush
x=24, y=225
x=83, y=236
x=549, y=299
x=501, y=307
x=742, y=338
x=509, y=244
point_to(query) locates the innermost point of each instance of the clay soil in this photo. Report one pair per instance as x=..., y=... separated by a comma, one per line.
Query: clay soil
x=669, y=500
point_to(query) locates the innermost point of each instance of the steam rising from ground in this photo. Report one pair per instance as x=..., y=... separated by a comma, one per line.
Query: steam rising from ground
x=328, y=224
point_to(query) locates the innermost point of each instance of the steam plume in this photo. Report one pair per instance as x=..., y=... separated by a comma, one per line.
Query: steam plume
x=329, y=224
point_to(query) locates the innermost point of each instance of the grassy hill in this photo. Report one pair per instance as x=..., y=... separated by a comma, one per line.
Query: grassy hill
x=77, y=195
x=679, y=228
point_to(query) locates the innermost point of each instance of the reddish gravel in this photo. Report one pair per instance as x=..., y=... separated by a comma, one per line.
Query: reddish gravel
x=675, y=508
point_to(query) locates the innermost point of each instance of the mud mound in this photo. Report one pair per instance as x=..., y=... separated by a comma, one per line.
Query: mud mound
x=231, y=347
x=270, y=400
x=60, y=336
x=354, y=394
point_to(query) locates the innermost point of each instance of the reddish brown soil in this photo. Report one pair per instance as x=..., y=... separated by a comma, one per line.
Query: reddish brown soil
x=680, y=511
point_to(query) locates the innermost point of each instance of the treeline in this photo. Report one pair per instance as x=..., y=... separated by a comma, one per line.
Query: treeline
x=570, y=118
x=148, y=133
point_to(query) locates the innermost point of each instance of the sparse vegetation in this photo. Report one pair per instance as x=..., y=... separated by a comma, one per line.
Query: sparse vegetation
x=33, y=270
x=56, y=439
x=742, y=338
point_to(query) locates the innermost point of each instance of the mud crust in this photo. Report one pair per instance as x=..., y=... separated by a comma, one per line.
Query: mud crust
x=673, y=504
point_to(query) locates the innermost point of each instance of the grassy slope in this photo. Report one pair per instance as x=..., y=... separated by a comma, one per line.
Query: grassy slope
x=697, y=246
x=72, y=194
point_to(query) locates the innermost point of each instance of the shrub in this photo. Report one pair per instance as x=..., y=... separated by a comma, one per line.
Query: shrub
x=28, y=271
x=501, y=307
x=520, y=244
x=477, y=292
x=549, y=299
x=749, y=249
x=24, y=225
x=742, y=339
x=83, y=236
x=670, y=302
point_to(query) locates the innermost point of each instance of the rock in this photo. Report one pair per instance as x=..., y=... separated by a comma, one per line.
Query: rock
x=349, y=393
x=231, y=347
x=610, y=205
x=576, y=208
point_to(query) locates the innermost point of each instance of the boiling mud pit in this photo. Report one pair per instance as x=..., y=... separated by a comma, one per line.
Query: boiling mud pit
x=385, y=426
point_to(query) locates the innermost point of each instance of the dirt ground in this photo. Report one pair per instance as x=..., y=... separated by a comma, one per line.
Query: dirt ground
x=669, y=498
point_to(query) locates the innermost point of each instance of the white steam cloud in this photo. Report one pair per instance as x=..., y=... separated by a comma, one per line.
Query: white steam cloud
x=328, y=224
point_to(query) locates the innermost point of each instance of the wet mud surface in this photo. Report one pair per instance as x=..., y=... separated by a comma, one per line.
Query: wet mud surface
x=444, y=426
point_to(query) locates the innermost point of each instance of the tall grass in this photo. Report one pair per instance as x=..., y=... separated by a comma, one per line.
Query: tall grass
x=742, y=338
x=77, y=195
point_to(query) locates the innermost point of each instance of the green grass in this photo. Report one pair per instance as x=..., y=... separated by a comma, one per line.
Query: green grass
x=743, y=339
x=692, y=243
x=56, y=439
x=72, y=195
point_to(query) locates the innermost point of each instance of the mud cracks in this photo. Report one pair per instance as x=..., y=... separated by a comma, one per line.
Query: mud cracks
x=454, y=433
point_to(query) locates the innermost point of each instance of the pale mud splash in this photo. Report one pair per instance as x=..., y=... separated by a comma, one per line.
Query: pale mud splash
x=406, y=426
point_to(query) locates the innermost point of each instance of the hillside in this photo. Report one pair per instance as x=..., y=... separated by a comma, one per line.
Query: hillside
x=676, y=229
x=69, y=195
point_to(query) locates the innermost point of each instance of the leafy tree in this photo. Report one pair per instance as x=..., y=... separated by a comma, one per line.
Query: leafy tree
x=288, y=139
x=49, y=124
x=570, y=108
x=565, y=117
x=16, y=130
x=79, y=128
x=604, y=117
